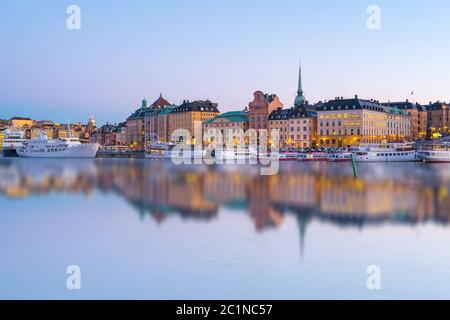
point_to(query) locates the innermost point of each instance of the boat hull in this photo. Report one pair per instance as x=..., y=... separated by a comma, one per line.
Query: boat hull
x=374, y=157
x=8, y=152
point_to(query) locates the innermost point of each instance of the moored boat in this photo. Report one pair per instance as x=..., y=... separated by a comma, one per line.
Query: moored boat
x=288, y=156
x=385, y=152
x=312, y=156
x=435, y=152
x=11, y=141
x=340, y=157
x=57, y=148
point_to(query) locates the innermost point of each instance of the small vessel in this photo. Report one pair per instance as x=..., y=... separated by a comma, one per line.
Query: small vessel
x=167, y=150
x=340, y=157
x=312, y=156
x=385, y=152
x=43, y=147
x=11, y=141
x=159, y=150
x=435, y=152
x=235, y=155
x=288, y=156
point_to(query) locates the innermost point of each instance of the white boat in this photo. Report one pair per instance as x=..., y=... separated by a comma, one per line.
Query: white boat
x=340, y=157
x=385, y=152
x=166, y=150
x=160, y=150
x=11, y=141
x=57, y=148
x=288, y=156
x=435, y=152
x=312, y=156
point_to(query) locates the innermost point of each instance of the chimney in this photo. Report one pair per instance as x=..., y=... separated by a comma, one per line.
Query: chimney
x=356, y=96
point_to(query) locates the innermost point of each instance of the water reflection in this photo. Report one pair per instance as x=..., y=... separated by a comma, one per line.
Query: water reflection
x=385, y=193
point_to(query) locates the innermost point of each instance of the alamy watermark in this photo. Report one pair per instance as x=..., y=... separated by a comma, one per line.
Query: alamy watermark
x=73, y=21
x=374, y=20
x=374, y=280
x=73, y=281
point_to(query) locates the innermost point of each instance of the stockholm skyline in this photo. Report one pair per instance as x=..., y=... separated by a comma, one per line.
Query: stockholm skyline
x=218, y=51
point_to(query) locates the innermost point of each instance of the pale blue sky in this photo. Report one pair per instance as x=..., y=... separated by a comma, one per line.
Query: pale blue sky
x=217, y=50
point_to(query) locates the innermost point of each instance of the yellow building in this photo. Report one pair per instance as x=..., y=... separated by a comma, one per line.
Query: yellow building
x=20, y=123
x=2, y=135
x=345, y=122
x=185, y=116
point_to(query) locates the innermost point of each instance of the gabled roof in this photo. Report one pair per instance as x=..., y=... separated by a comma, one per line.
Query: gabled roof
x=231, y=116
x=350, y=104
x=405, y=105
x=292, y=113
x=159, y=103
x=199, y=105
x=437, y=106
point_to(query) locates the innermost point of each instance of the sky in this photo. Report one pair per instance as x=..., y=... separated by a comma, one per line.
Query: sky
x=219, y=50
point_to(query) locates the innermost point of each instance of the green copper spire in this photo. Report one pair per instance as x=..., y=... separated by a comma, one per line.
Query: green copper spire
x=300, y=98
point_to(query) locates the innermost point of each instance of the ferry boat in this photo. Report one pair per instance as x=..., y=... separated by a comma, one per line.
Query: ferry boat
x=435, y=152
x=57, y=148
x=165, y=150
x=236, y=155
x=313, y=156
x=288, y=156
x=160, y=150
x=340, y=157
x=385, y=152
x=11, y=141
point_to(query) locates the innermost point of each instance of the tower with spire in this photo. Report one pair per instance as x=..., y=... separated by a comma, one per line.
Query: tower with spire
x=300, y=98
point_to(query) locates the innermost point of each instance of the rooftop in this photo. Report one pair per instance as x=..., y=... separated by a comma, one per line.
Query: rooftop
x=231, y=116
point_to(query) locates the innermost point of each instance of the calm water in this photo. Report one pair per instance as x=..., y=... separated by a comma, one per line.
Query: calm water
x=144, y=229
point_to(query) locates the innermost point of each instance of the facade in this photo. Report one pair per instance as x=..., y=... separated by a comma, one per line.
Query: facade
x=296, y=127
x=260, y=109
x=151, y=119
x=438, y=118
x=20, y=123
x=121, y=138
x=163, y=123
x=91, y=126
x=2, y=135
x=345, y=122
x=185, y=115
x=398, y=125
x=232, y=122
x=135, y=132
x=418, y=117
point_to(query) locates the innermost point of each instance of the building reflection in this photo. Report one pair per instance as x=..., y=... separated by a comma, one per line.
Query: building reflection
x=401, y=194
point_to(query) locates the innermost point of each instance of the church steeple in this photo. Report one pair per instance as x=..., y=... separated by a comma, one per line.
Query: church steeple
x=300, y=98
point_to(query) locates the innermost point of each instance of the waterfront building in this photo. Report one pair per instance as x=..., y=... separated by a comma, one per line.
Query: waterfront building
x=260, y=108
x=91, y=126
x=345, y=122
x=185, y=115
x=232, y=122
x=20, y=123
x=418, y=117
x=135, y=127
x=2, y=135
x=151, y=119
x=163, y=123
x=398, y=125
x=297, y=126
x=439, y=119
x=120, y=131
